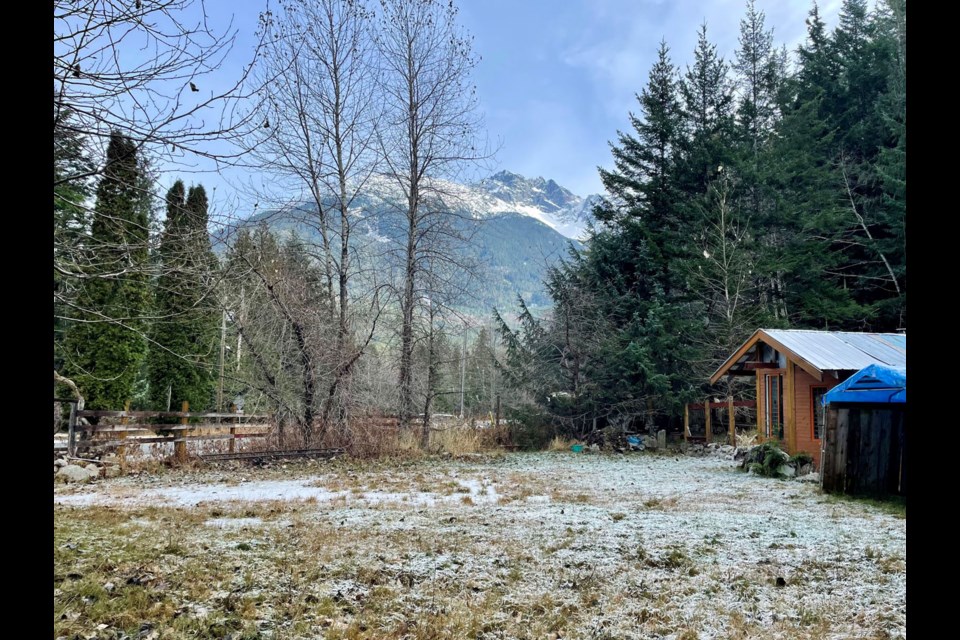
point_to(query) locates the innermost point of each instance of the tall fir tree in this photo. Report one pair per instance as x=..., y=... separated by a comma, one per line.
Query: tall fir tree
x=759, y=73
x=105, y=346
x=71, y=224
x=183, y=352
x=708, y=103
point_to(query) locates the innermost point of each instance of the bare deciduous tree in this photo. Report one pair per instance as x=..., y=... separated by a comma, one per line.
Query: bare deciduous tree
x=322, y=111
x=150, y=70
x=430, y=131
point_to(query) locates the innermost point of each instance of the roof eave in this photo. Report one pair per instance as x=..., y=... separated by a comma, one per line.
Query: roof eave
x=757, y=336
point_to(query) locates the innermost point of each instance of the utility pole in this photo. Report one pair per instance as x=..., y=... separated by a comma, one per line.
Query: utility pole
x=239, y=336
x=223, y=338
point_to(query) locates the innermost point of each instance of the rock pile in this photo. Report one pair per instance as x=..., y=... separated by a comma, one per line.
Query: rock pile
x=76, y=471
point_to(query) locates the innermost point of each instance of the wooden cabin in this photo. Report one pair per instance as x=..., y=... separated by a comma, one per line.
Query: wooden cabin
x=793, y=370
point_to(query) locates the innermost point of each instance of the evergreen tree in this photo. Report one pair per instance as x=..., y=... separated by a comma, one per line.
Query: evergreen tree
x=708, y=103
x=71, y=223
x=105, y=347
x=758, y=67
x=183, y=351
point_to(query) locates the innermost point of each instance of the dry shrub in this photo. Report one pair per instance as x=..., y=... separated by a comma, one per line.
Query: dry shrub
x=747, y=438
x=559, y=443
x=456, y=440
x=372, y=437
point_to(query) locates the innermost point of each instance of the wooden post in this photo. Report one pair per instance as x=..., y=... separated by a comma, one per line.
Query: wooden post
x=122, y=435
x=828, y=451
x=180, y=445
x=496, y=419
x=789, y=408
x=72, y=431
x=233, y=430
x=761, y=407
x=686, y=422
x=706, y=416
x=732, y=416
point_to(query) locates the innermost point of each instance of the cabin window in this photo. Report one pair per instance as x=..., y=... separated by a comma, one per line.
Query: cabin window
x=774, y=405
x=817, y=411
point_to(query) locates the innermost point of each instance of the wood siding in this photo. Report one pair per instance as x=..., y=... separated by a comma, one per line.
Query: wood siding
x=865, y=451
x=803, y=417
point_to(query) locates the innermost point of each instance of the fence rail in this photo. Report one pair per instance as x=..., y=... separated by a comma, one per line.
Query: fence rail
x=707, y=409
x=114, y=429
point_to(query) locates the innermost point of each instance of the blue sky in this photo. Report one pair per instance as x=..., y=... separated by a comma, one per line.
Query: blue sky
x=558, y=78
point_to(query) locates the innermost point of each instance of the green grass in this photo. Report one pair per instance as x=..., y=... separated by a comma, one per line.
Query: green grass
x=892, y=505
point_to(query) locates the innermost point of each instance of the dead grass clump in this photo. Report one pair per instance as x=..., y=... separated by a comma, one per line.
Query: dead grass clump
x=559, y=443
x=456, y=440
x=747, y=438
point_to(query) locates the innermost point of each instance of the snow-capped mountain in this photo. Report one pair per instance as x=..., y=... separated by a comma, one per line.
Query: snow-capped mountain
x=505, y=192
x=557, y=207
x=518, y=227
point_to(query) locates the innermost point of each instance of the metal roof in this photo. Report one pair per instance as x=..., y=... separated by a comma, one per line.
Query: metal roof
x=843, y=350
x=819, y=351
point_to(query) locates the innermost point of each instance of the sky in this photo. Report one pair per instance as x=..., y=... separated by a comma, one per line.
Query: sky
x=557, y=79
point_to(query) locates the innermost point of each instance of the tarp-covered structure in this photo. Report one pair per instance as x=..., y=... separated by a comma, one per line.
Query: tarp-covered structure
x=865, y=442
x=874, y=384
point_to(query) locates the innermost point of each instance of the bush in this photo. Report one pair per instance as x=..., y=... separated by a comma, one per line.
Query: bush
x=530, y=429
x=766, y=459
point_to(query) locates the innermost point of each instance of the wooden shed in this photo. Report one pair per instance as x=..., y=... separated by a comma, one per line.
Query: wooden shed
x=794, y=369
x=865, y=443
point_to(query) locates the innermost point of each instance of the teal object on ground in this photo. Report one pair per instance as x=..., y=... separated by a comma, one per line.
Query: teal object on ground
x=576, y=448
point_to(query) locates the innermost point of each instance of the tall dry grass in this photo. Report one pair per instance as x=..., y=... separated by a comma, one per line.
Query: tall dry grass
x=377, y=437
x=559, y=443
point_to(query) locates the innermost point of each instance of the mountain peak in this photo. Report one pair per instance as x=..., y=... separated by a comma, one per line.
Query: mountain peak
x=546, y=195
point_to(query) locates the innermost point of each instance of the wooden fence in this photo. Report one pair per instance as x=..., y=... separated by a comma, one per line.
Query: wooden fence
x=124, y=428
x=864, y=451
x=701, y=419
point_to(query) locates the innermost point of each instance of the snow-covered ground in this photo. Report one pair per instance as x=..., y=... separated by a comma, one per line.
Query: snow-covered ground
x=529, y=545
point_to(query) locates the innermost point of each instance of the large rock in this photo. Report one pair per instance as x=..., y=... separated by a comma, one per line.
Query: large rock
x=76, y=473
x=786, y=470
x=661, y=439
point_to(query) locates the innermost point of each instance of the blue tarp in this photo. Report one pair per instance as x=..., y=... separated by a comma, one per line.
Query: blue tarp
x=875, y=383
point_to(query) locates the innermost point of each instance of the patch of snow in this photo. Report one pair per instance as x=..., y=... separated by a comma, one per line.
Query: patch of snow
x=233, y=523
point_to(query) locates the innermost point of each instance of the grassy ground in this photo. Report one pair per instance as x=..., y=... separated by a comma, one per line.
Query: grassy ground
x=553, y=545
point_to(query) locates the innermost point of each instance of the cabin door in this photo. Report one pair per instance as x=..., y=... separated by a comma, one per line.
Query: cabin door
x=773, y=406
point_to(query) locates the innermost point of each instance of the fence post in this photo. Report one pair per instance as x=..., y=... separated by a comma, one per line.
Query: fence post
x=122, y=435
x=72, y=431
x=233, y=430
x=179, y=444
x=732, y=414
x=686, y=422
x=706, y=417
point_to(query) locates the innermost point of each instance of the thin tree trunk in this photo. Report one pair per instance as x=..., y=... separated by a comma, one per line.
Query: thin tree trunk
x=866, y=230
x=431, y=384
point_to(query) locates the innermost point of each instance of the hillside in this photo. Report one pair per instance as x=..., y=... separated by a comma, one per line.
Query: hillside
x=517, y=228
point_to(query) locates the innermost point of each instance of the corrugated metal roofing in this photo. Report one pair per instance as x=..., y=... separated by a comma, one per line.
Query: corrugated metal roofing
x=842, y=350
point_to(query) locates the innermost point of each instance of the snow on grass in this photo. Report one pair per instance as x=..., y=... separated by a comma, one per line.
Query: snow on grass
x=529, y=545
